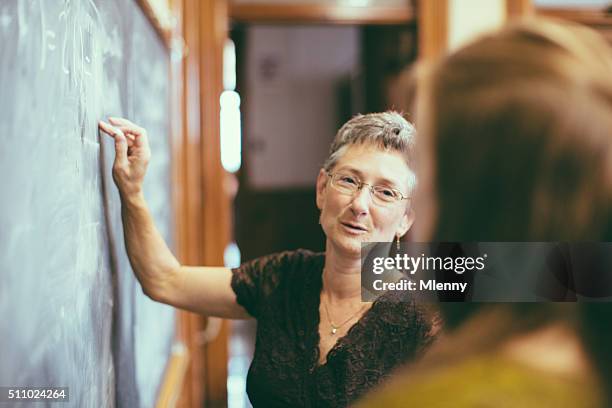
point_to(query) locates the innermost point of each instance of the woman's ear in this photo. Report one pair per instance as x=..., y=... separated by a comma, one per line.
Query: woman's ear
x=406, y=223
x=321, y=184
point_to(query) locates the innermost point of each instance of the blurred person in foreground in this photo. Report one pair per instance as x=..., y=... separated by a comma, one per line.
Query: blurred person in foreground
x=515, y=145
x=317, y=343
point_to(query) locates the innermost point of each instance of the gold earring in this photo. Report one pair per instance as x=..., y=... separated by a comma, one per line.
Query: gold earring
x=397, y=241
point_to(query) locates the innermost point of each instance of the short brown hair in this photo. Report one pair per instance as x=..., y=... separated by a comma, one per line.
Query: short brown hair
x=519, y=124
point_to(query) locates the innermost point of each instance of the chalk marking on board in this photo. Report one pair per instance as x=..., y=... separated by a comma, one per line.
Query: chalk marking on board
x=23, y=26
x=51, y=35
x=74, y=73
x=43, y=48
x=88, y=232
x=89, y=49
x=95, y=9
x=5, y=19
x=64, y=15
x=91, y=143
x=64, y=12
x=88, y=225
x=82, y=49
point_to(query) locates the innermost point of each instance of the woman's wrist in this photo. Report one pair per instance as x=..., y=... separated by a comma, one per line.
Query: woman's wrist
x=133, y=199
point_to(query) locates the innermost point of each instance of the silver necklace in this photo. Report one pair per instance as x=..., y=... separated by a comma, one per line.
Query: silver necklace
x=335, y=327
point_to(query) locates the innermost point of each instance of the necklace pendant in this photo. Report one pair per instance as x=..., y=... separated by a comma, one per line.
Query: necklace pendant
x=334, y=330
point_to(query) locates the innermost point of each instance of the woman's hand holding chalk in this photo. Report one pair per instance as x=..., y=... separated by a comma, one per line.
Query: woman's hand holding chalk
x=132, y=154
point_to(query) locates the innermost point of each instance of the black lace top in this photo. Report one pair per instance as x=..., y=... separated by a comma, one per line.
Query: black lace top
x=282, y=292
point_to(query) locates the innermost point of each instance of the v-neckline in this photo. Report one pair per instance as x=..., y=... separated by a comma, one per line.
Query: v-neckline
x=317, y=322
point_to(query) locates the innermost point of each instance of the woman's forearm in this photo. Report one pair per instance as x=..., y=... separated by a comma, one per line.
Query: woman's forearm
x=152, y=261
x=200, y=289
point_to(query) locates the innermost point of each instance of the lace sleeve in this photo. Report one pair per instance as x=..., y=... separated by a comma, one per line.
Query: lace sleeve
x=254, y=281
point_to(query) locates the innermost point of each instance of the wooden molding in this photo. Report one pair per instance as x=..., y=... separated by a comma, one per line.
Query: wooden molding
x=518, y=8
x=590, y=17
x=216, y=203
x=320, y=13
x=192, y=387
x=182, y=383
x=432, y=28
x=188, y=190
x=173, y=377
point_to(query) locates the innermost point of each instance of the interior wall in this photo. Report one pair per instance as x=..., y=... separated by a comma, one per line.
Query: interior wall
x=469, y=18
x=293, y=79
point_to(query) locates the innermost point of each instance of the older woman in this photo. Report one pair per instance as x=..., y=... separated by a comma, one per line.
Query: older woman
x=317, y=343
x=516, y=130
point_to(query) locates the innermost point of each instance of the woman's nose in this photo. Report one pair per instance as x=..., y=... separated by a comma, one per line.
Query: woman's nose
x=361, y=201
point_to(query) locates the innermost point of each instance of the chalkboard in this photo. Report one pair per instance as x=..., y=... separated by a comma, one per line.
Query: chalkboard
x=72, y=314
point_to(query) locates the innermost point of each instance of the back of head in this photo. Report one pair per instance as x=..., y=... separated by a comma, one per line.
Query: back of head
x=520, y=126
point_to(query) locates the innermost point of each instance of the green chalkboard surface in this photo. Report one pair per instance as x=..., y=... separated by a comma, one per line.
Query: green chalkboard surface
x=72, y=313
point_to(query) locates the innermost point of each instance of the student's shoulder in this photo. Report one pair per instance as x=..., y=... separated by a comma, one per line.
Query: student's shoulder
x=479, y=381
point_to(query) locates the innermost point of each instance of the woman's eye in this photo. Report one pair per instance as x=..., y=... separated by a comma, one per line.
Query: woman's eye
x=387, y=192
x=348, y=180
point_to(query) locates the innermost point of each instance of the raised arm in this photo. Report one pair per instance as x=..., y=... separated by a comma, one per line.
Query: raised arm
x=204, y=290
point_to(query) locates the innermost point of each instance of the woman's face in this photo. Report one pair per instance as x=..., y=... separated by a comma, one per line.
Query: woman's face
x=348, y=220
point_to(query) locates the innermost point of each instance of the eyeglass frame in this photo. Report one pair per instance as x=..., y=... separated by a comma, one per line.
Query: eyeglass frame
x=361, y=184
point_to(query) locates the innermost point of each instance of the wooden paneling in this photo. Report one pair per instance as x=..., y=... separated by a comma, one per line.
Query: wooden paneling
x=518, y=8
x=202, y=206
x=187, y=186
x=183, y=383
x=433, y=23
x=216, y=207
x=590, y=17
x=173, y=378
x=320, y=13
x=432, y=28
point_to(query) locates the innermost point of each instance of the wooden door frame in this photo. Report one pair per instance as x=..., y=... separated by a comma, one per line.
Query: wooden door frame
x=318, y=13
x=589, y=17
x=433, y=23
x=217, y=205
x=196, y=373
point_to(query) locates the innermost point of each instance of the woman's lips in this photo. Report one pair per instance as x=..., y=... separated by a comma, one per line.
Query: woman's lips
x=354, y=228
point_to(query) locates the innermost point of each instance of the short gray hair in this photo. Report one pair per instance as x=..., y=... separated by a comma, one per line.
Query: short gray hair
x=386, y=130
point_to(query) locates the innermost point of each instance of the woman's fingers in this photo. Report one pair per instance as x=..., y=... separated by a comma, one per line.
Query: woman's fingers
x=135, y=129
x=132, y=153
x=129, y=128
x=121, y=142
x=106, y=128
x=112, y=130
x=138, y=139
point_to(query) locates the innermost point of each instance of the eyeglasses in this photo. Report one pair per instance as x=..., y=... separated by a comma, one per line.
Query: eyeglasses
x=381, y=195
